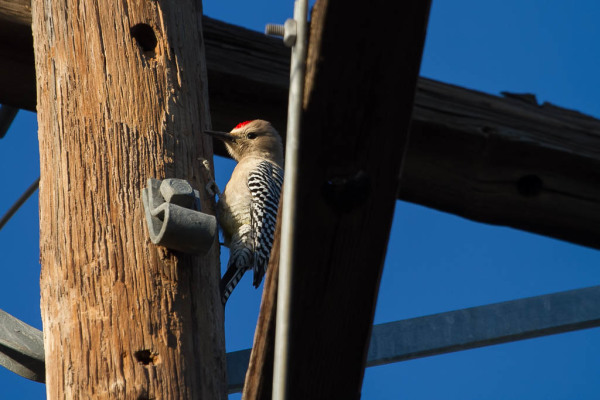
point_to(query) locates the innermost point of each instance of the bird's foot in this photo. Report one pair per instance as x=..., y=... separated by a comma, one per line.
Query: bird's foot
x=211, y=187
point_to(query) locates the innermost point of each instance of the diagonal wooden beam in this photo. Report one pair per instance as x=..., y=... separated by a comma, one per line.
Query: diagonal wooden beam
x=499, y=160
x=362, y=70
x=505, y=161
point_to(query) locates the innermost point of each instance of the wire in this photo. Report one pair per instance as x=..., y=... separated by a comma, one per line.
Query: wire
x=11, y=211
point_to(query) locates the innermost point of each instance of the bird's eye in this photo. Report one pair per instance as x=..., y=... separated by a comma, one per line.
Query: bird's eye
x=251, y=136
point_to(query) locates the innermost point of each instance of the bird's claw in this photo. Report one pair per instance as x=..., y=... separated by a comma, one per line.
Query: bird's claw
x=205, y=163
x=211, y=187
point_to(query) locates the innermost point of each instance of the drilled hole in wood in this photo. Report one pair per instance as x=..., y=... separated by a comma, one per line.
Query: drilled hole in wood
x=145, y=37
x=146, y=357
x=529, y=185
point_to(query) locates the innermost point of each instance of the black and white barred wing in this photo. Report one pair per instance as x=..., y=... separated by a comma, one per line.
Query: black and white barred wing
x=265, y=186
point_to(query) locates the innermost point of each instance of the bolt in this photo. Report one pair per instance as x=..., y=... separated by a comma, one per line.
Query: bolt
x=287, y=30
x=275, y=30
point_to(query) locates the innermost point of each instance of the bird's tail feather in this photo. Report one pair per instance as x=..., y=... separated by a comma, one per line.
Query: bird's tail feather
x=229, y=281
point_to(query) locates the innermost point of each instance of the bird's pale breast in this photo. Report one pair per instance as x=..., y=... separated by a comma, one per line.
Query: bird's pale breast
x=234, y=205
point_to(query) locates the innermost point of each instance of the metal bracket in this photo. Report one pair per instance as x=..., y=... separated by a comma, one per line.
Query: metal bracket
x=21, y=348
x=174, y=219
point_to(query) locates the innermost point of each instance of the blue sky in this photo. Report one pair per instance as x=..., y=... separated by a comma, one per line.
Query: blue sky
x=436, y=262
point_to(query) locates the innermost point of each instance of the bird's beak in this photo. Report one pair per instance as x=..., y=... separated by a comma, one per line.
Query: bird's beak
x=226, y=137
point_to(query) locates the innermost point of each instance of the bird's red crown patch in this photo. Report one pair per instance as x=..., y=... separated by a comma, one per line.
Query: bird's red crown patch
x=242, y=124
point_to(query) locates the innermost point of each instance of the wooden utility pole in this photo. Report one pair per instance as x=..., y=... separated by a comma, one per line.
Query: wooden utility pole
x=121, y=88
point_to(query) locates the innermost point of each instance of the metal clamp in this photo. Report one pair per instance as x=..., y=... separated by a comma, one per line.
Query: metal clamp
x=174, y=219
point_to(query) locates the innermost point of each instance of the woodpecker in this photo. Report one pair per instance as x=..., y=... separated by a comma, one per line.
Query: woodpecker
x=247, y=209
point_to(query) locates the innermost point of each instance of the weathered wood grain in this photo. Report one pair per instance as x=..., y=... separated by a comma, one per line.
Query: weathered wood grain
x=17, y=12
x=122, y=97
x=505, y=161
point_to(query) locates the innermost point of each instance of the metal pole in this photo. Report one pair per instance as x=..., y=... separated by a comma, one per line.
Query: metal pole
x=284, y=294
